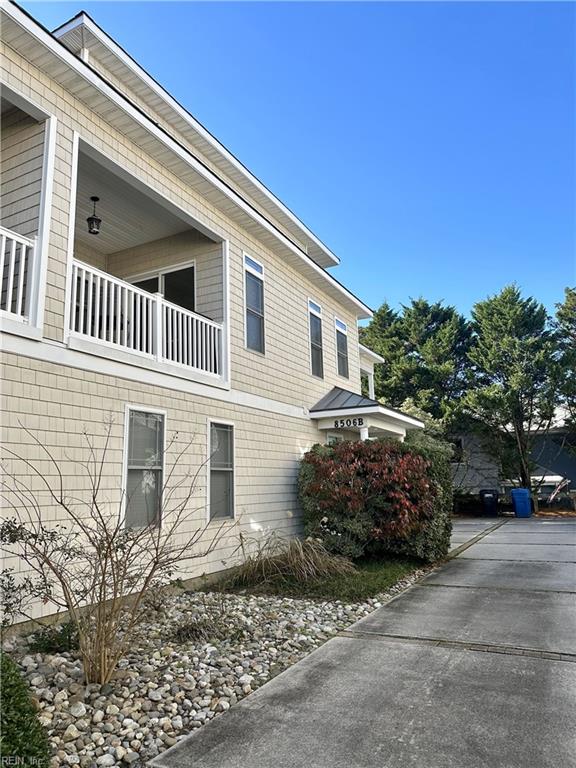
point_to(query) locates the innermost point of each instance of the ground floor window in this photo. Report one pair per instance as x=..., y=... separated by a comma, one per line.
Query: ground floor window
x=221, y=471
x=333, y=437
x=144, y=467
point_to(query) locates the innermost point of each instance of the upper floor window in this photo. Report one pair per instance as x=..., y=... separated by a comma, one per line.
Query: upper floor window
x=254, y=300
x=144, y=467
x=316, y=352
x=342, y=348
x=176, y=285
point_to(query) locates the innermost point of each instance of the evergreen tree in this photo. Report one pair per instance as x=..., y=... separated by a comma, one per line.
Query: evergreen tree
x=425, y=351
x=517, y=372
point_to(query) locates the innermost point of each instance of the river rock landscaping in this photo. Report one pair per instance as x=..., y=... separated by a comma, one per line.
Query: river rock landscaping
x=198, y=655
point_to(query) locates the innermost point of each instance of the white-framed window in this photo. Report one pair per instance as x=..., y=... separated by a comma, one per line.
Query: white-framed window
x=220, y=470
x=342, y=347
x=316, y=348
x=333, y=437
x=144, y=447
x=177, y=284
x=254, y=304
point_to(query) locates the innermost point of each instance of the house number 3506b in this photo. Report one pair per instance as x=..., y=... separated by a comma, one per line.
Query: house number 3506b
x=343, y=423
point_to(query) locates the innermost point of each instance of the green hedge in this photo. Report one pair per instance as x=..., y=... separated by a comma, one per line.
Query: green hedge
x=21, y=735
x=378, y=497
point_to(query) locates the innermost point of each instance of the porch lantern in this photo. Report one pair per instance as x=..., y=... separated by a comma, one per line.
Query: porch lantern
x=93, y=220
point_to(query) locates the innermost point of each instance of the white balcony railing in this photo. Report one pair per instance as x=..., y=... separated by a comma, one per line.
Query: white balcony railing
x=16, y=272
x=110, y=311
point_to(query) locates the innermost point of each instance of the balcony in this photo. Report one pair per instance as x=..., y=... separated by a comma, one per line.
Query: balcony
x=119, y=315
x=149, y=288
x=18, y=272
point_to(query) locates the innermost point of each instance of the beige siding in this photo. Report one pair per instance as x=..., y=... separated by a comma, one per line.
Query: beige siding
x=284, y=372
x=58, y=404
x=88, y=255
x=21, y=155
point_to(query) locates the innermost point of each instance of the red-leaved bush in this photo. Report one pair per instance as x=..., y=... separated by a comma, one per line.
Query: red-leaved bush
x=355, y=493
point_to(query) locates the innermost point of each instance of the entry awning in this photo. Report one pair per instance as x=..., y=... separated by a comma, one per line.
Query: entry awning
x=342, y=410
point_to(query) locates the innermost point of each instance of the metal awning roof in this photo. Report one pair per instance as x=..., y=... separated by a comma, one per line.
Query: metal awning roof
x=338, y=399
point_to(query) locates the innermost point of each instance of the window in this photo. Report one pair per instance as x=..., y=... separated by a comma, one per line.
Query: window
x=144, y=468
x=342, y=347
x=332, y=438
x=254, y=298
x=316, y=355
x=176, y=285
x=221, y=471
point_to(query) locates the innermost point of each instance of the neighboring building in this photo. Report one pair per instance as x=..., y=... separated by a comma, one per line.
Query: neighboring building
x=186, y=298
x=473, y=468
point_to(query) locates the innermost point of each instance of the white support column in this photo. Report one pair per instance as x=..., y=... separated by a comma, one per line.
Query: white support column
x=38, y=288
x=226, y=313
x=364, y=434
x=371, y=393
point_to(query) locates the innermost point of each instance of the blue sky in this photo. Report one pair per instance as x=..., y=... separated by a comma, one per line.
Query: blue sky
x=430, y=145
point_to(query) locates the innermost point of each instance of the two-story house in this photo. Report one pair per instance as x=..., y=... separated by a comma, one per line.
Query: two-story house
x=148, y=278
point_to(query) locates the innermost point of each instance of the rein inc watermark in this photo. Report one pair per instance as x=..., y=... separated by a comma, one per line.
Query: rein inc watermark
x=12, y=760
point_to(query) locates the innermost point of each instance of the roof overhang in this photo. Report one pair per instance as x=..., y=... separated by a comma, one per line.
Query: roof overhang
x=378, y=412
x=50, y=55
x=81, y=33
x=369, y=356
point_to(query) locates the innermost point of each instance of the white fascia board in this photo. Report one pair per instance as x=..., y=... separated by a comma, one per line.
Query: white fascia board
x=90, y=75
x=368, y=353
x=370, y=410
x=138, y=71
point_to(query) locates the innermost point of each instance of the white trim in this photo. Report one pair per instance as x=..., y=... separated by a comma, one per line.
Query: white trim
x=368, y=410
x=71, y=234
x=9, y=323
x=226, y=372
x=166, y=140
x=344, y=331
x=127, y=60
x=106, y=349
x=94, y=151
x=259, y=276
x=312, y=311
x=141, y=409
x=45, y=220
x=59, y=354
x=24, y=103
x=368, y=353
x=160, y=272
x=226, y=423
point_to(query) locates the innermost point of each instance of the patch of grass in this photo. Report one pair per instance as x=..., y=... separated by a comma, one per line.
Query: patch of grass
x=369, y=578
x=292, y=561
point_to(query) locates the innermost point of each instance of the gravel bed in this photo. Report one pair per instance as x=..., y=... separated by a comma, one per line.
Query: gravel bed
x=167, y=686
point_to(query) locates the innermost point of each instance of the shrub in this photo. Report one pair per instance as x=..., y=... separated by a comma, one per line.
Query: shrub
x=55, y=639
x=22, y=738
x=290, y=560
x=377, y=496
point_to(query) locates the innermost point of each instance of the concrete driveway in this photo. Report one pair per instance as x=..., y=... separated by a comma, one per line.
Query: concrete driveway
x=473, y=667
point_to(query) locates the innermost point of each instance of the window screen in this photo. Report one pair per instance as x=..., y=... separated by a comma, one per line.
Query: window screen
x=145, y=463
x=221, y=471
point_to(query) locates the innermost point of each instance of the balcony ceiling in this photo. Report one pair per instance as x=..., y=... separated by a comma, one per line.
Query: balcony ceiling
x=129, y=217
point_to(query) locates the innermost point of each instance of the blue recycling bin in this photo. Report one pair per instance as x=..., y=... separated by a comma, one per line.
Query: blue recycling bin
x=522, y=502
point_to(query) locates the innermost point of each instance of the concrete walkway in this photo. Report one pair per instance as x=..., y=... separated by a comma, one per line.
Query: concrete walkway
x=473, y=667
